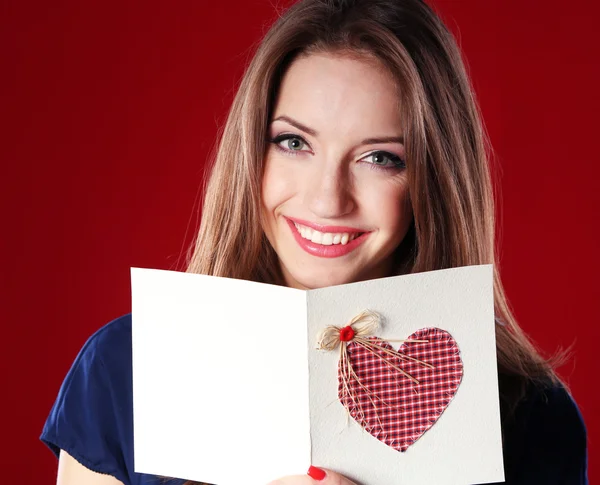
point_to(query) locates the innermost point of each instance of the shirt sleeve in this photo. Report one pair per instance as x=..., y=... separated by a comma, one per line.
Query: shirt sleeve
x=547, y=443
x=84, y=419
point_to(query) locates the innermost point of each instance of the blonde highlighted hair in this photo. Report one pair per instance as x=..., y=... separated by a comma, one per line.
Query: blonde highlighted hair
x=447, y=155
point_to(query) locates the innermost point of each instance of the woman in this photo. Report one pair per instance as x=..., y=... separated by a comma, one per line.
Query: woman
x=353, y=150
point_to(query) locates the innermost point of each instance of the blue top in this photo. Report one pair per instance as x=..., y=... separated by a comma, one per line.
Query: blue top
x=92, y=420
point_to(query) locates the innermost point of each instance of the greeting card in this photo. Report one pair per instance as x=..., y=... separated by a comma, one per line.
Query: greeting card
x=386, y=381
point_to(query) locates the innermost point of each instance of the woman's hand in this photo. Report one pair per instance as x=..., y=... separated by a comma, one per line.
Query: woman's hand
x=314, y=476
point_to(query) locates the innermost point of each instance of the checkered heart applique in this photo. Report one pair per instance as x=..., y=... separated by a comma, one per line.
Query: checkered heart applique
x=389, y=405
x=395, y=395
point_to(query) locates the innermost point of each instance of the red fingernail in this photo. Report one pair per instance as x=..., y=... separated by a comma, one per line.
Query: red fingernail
x=316, y=473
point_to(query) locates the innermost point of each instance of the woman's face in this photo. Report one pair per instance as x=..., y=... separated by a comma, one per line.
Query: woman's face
x=335, y=166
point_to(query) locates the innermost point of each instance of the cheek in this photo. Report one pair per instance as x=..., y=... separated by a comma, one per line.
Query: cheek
x=277, y=186
x=388, y=205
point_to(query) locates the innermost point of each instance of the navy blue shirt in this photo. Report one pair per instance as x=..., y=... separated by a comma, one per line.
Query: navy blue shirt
x=92, y=420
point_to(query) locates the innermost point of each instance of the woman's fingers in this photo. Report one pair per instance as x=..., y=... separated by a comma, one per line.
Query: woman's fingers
x=314, y=476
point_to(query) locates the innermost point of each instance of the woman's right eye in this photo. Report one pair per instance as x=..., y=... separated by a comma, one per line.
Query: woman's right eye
x=289, y=143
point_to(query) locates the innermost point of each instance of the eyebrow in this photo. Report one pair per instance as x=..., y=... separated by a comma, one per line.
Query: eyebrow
x=311, y=132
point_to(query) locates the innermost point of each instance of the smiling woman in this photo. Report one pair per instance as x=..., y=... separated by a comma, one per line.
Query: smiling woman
x=354, y=150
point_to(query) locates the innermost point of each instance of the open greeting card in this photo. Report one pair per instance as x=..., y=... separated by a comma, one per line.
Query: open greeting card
x=388, y=381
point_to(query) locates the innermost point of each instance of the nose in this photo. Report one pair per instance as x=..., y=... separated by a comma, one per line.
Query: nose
x=329, y=192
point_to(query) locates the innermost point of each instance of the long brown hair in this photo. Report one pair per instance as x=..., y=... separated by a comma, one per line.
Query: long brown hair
x=448, y=156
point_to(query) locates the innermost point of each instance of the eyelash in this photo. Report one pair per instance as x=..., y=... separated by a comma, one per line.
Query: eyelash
x=399, y=162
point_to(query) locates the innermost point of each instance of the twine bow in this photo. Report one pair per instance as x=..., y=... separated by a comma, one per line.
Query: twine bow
x=358, y=329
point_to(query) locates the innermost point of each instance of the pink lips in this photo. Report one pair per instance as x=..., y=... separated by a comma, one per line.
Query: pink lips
x=333, y=251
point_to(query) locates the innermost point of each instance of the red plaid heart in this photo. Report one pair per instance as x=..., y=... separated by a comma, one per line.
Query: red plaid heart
x=388, y=404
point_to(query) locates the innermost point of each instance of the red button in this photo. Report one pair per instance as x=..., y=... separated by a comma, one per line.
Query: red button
x=346, y=334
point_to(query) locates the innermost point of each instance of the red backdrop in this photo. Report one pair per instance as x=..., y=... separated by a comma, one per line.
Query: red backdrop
x=110, y=110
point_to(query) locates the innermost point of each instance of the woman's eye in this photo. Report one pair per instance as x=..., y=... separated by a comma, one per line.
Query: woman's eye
x=289, y=142
x=385, y=160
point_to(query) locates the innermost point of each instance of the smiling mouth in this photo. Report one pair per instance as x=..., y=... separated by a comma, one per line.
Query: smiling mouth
x=327, y=245
x=326, y=238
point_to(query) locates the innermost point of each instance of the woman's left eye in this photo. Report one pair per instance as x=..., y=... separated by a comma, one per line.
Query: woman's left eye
x=382, y=159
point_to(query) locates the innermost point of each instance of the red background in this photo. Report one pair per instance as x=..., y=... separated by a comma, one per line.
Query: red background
x=110, y=110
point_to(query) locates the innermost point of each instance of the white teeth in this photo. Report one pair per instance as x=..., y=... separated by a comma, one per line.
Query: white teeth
x=325, y=238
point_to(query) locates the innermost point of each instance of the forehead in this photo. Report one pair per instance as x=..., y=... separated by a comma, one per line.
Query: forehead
x=340, y=92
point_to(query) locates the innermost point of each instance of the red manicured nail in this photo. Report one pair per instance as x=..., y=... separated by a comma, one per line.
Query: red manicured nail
x=316, y=473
